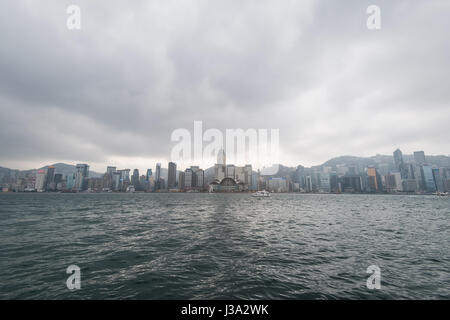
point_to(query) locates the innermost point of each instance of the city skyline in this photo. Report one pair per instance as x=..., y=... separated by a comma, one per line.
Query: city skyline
x=412, y=174
x=99, y=168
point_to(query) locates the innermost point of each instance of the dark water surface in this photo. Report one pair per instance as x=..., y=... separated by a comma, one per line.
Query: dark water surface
x=227, y=246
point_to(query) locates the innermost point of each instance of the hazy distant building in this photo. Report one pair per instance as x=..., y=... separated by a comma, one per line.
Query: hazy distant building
x=135, y=179
x=278, y=185
x=172, y=176
x=399, y=164
x=49, y=179
x=409, y=185
x=438, y=180
x=390, y=183
x=81, y=177
x=181, y=183
x=349, y=183
x=70, y=181
x=40, y=180
x=158, y=176
x=148, y=175
x=200, y=179
x=111, y=170
x=419, y=158
x=428, y=179
x=188, y=178
x=373, y=180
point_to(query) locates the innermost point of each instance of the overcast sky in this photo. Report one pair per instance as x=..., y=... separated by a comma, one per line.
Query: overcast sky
x=113, y=92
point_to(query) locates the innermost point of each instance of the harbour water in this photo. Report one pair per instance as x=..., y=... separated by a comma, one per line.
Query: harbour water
x=224, y=246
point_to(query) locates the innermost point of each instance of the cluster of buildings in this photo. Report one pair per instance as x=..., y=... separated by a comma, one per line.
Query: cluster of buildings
x=414, y=176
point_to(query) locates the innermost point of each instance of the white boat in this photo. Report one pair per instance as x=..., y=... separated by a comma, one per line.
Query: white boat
x=261, y=194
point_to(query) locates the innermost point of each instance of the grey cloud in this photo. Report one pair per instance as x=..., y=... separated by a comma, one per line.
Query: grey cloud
x=137, y=71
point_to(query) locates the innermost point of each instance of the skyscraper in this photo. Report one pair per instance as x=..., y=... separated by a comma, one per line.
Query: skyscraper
x=158, y=176
x=373, y=179
x=428, y=179
x=110, y=170
x=181, y=184
x=188, y=178
x=172, y=175
x=49, y=177
x=419, y=158
x=399, y=164
x=200, y=178
x=135, y=179
x=438, y=180
x=40, y=181
x=148, y=175
x=81, y=177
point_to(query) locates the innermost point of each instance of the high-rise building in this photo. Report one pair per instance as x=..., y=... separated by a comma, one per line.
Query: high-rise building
x=428, y=179
x=148, y=175
x=158, y=176
x=200, y=179
x=181, y=184
x=116, y=181
x=188, y=178
x=49, y=179
x=373, y=181
x=110, y=170
x=70, y=181
x=419, y=158
x=135, y=179
x=399, y=164
x=40, y=180
x=438, y=180
x=230, y=171
x=81, y=177
x=172, y=176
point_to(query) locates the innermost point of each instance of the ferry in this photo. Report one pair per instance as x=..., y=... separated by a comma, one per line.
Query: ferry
x=261, y=194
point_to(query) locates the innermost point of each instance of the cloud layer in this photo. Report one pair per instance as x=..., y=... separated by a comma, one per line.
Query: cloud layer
x=112, y=92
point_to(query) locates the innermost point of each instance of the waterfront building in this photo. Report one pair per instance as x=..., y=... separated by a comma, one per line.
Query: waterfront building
x=135, y=179
x=334, y=183
x=390, y=183
x=278, y=184
x=172, y=176
x=373, y=181
x=158, y=176
x=116, y=181
x=188, y=179
x=428, y=179
x=324, y=182
x=40, y=180
x=49, y=179
x=350, y=183
x=438, y=180
x=70, y=181
x=181, y=183
x=200, y=179
x=409, y=185
x=111, y=170
x=398, y=181
x=399, y=164
x=308, y=184
x=81, y=177
x=148, y=175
